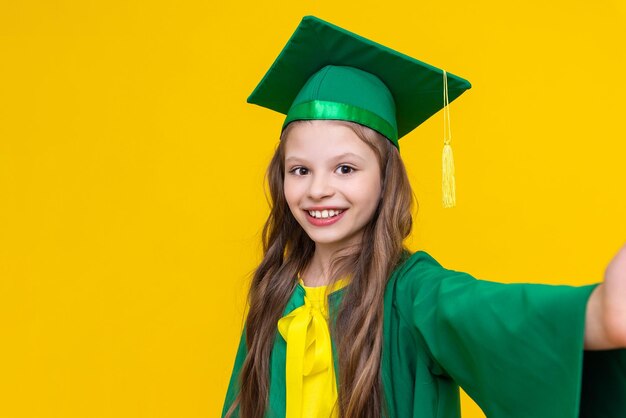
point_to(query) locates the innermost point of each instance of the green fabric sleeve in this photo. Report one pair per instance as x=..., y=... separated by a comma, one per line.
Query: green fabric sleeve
x=233, y=386
x=516, y=349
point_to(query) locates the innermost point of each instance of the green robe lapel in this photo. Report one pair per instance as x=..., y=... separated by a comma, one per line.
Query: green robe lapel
x=278, y=359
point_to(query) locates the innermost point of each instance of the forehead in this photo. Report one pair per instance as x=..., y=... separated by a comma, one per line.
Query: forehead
x=325, y=139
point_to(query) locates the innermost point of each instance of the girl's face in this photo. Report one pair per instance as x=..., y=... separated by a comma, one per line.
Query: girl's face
x=332, y=182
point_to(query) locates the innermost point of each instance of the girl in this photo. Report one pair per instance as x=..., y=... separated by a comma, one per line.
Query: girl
x=344, y=321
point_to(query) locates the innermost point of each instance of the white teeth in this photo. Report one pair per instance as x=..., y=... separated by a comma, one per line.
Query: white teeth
x=324, y=214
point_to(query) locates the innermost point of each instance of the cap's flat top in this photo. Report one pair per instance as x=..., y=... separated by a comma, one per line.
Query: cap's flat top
x=417, y=87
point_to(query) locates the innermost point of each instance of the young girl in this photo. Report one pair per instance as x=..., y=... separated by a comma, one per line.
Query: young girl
x=344, y=321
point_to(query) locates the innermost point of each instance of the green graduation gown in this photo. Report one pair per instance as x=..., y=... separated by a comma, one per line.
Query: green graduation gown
x=516, y=349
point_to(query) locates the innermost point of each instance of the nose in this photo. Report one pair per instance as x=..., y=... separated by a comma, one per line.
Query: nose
x=320, y=187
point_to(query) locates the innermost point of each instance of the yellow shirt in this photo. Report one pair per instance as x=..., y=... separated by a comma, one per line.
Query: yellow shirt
x=310, y=374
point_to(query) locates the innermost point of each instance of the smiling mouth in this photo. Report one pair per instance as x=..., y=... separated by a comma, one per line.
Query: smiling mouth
x=325, y=214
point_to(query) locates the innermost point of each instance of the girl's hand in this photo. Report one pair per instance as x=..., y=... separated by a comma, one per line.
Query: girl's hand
x=605, y=326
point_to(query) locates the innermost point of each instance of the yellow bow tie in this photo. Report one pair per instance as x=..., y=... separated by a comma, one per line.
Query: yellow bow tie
x=310, y=378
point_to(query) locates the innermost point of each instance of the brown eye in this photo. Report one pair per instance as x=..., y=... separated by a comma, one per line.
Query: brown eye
x=299, y=171
x=345, y=169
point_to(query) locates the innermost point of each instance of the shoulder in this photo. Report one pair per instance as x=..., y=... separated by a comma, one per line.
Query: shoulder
x=420, y=281
x=420, y=268
x=417, y=260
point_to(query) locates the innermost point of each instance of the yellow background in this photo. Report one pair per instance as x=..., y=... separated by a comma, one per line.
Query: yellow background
x=131, y=173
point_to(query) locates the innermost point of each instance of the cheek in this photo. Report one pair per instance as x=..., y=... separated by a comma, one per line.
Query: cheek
x=369, y=192
x=291, y=193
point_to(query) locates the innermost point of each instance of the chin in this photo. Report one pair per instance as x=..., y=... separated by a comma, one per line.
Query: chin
x=341, y=241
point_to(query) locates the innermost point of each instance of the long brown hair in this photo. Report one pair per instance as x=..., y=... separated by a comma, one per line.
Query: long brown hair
x=287, y=250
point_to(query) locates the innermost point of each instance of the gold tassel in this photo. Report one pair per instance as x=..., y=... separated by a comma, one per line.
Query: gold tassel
x=448, y=181
x=449, y=190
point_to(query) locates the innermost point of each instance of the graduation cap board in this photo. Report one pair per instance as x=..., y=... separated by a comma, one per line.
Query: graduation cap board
x=327, y=72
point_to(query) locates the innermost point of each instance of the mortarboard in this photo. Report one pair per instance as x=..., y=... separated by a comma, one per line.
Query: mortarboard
x=327, y=72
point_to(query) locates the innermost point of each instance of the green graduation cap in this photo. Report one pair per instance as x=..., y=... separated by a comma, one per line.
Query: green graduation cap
x=326, y=72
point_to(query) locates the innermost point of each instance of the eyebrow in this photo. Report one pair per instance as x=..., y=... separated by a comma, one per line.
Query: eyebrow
x=337, y=157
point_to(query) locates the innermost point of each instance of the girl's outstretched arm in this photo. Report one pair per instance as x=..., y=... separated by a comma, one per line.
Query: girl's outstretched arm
x=605, y=323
